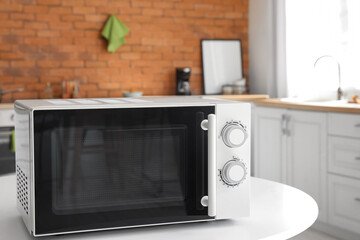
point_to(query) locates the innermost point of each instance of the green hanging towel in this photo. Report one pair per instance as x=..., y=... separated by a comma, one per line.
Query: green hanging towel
x=114, y=31
x=13, y=140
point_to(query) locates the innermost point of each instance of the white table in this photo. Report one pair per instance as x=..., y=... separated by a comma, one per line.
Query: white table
x=277, y=212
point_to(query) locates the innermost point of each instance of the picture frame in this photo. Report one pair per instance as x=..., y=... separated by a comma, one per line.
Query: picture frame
x=221, y=63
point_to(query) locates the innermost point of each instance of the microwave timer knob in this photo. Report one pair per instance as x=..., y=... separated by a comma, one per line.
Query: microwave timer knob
x=233, y=172
x=234, y=134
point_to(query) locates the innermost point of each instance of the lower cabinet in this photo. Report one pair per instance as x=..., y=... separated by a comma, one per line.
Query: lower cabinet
x=317, y=152
x=289, y=146
x=344, y=202
x=344, y=171
x=269, y=144
x=344, y=156
x=306, y=155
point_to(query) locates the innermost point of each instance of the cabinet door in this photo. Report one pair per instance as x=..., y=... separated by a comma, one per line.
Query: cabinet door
x=344, y=202
x=269, y=143
x=306, y=155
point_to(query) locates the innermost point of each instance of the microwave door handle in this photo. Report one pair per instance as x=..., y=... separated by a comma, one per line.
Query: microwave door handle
x=212, y=165
x=210, y=201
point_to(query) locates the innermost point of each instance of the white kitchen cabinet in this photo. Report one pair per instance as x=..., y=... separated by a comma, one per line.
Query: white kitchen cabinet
x=344, y=144
x=344, y=156
x=306, y=155
x=268, y=144
x=344, y=171
x=289, y=146
x=342, y=124
x=317, y=152
x=344, y=202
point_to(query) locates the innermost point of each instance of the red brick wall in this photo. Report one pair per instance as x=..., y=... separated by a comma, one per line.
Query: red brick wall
x=55, y=40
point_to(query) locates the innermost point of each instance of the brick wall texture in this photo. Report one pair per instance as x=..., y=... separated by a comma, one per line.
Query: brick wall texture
x=60, y=40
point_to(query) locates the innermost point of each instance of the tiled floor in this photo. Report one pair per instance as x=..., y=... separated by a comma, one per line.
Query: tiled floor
x=311, y=234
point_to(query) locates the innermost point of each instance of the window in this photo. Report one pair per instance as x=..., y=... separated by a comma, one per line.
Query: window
x=322, y=27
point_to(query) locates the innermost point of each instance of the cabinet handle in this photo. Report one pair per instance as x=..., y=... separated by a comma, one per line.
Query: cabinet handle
x=357, y=158
x=357, y=125
x=288, y=118
x=283, y=124
x=357, y=199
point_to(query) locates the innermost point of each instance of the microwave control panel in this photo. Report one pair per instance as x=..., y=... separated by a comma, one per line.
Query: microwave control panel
x=234, y=134
x=233, y=172
x=233, y=123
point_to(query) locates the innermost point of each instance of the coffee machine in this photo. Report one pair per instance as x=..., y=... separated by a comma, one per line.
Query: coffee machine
x=182, y=81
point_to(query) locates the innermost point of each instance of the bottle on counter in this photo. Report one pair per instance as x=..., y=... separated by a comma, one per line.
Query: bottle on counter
x=48, y=92
x=75, y=93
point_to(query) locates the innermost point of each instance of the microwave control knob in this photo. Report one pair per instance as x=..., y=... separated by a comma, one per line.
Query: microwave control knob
x=233, y=173
x=234, y=134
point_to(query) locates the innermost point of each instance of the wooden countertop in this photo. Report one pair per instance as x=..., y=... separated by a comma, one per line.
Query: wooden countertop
x=6, y=106
x=275, y=102
x=245, y=97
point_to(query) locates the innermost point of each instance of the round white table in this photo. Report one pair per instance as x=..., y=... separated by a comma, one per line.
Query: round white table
x=278, y=211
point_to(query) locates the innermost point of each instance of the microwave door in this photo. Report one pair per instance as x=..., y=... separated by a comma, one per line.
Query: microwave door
x=135, y=169
x=120, y=167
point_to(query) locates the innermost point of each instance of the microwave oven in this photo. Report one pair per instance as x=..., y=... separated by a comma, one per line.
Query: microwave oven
x=100, y=164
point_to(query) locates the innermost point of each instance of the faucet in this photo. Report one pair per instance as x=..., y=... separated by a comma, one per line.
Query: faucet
x=9, y=91
x=339, y=90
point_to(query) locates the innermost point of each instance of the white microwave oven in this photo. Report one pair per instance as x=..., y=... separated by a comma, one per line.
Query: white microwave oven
x=99, y=164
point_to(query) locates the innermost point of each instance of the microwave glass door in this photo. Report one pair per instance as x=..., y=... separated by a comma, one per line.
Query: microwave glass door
x=106, y=168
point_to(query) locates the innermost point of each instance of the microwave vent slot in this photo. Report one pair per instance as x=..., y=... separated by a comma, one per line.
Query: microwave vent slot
x=22, y=189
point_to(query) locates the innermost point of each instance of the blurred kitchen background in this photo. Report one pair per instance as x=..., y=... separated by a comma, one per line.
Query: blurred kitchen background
x=302, y=51
x=51, y=41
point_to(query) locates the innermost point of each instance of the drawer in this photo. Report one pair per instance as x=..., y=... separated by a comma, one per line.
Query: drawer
x=344, y=156
x=344, y=202
x=344, y=124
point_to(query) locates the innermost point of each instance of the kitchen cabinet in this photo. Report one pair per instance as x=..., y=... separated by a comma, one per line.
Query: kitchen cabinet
x=269, y=143
x=344, y=144
x=344, y=156
x=316, y=150
x=344, y=202
x=289, y=146
x=306, y=155
x=344, y=170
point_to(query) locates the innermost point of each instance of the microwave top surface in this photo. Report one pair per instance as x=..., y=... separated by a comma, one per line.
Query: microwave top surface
x=119, y=102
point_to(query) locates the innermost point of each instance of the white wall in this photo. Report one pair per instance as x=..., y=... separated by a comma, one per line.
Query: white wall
x=267, y=73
